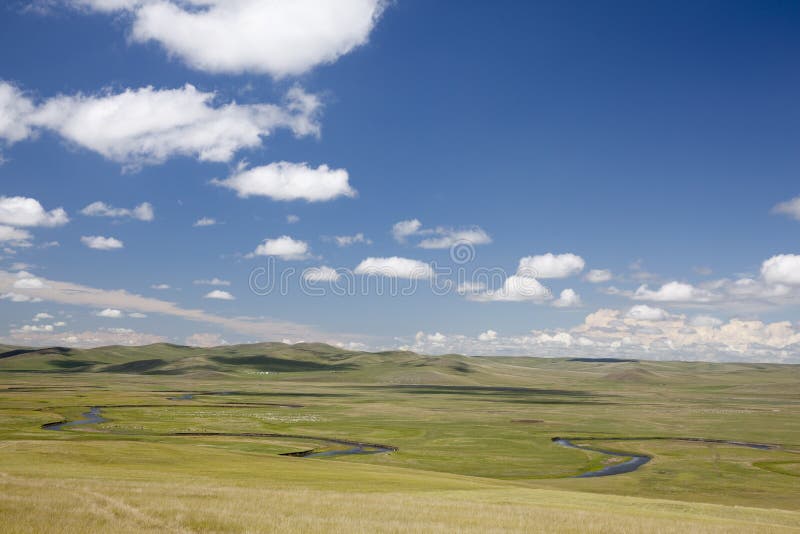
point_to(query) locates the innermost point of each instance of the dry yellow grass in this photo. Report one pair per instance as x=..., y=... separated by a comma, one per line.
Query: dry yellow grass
x=102, y=506
x=127, y=493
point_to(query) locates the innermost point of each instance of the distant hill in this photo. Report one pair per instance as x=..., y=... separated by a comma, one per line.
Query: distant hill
x=322, y=362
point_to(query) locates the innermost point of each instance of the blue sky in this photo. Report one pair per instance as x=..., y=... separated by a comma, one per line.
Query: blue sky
x=657, y=142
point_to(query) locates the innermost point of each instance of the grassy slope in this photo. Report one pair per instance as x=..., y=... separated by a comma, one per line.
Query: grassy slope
x=474, y=437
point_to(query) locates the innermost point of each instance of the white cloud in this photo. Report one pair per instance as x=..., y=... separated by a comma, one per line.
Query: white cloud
x=142, y=212
x=440, y=237
x=292, y=219
x=137, y=315
x=101, y=243
x=24, y=211
x=219, y=295
x=205, y=339
x=10, y=234
x=33, y=328
x=290, y=181
x=205, y=221
x=349, y=240
x=98, y=338
x=675, y=292
x=644, y=312
x=42, y=316
x=448, y=237
x=18, y=297
x=15, y=108
x=28, y=282
x=160, y=286
x=212, y=282
x=782, y=269
x=283, y=247
x=568, y=299
x=515, y=289
x=80, y=295
x=597, y=276
x=395, y=267
x=656, y=336
x=403, y=229
x=110, y=313
x=705, y=321
x=789, y=207
x=489, y=335
x=146, y=126
x=257, y=36
x=551, y=266
x=320, y=274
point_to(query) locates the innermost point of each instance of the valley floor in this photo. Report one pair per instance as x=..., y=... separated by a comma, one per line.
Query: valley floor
x=188, y=451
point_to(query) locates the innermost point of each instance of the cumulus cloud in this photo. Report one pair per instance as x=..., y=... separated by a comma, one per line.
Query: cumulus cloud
x=321, y=274
x=647, y=313
x=143, y=126
x=101, y=243
x=292, y=219
x=12, y=235
x=205, y=339
x=33, y=328
x=15, y=108
x=290, y=181
x=26, y=281
x=448, y=237
x=86, y=339
x=142, y=212
x=790, y=208
x=218, y=294
x=18, y=297
x=782, y=269
x=567, y=299
x=403, y=229
x=160, y=286
x=395, y=267
x=489, y=335
x=705, y=321
x=598, y=276
x=110, y=313
x=642, y=334
x=675, y=292
x=515, y=288
x=42, y=316
x=283, y=247
x=349, y=240
x=24, y=211
x=205, y=221
x=256, y=36
x=551, y=266
x=212, y=282
x=439, y=237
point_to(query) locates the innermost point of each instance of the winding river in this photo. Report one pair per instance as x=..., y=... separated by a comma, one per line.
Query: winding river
x=630, y=461
x=93, y=416
x=635, y=461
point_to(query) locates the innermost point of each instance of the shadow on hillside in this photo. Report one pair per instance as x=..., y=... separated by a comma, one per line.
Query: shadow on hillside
x=139, y=366
x=501, y=393
x=279, y=365
x=72, y=364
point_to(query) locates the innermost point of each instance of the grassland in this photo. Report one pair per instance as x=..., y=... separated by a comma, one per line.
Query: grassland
x=474, y=439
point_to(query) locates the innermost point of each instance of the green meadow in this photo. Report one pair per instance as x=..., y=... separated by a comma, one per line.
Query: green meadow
x=193, y=441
